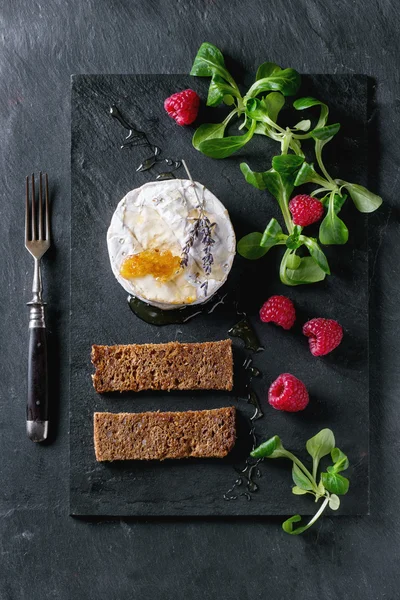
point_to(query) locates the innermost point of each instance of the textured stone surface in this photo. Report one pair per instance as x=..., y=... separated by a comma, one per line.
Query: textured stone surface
x=338, y=384
x=43, y=552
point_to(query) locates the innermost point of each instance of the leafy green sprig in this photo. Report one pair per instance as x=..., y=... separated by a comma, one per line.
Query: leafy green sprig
x=258, y=115
x=289, y=170
x=280, y=182
x=332, y=229
x=328, y=487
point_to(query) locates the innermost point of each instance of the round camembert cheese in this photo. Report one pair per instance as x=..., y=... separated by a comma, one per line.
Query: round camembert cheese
x=151, y=226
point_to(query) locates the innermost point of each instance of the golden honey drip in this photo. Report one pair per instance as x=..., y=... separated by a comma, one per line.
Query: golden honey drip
x=162, y=265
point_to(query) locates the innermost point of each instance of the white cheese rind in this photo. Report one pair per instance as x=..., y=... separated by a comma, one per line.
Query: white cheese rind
x=160, y=215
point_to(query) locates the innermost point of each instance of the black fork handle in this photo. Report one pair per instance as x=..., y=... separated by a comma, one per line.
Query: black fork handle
x=37, y=417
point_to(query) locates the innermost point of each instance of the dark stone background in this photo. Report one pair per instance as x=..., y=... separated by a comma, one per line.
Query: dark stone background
x=44, y=553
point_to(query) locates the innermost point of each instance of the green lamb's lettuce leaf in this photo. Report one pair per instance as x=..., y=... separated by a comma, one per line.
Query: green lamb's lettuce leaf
x=338, y=202
x=307, y=174
x=228, y=100
x=340, y=460
x=308, y=271
x=332, y=229
x=287, y=525
x=300, y=479
x=209, y=61
x=272, y=235
x=286, y=81
x=279, y=186
x=293, y=261
x=250, y=246
x=294, y=240
x=298, y=491
x=325, y=134
x=256, y=109
x=316, y=253
x=321, y=444
x=254, y=178
x=303, y=125
x=364, y=200
x=272, y=104
x=334, y=502
x=335, y=483
x=272, y=448
x=308, y=102
x=265, y=111
x=219, y=90
x=267, y=69
x=208, y=131
x=226, y=146
x=287, y=164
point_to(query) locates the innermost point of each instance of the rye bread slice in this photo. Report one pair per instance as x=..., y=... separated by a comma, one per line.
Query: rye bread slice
x=170, y=366
x=161, y=435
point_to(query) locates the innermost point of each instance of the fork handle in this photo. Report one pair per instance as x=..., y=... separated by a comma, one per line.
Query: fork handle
x=37, y=407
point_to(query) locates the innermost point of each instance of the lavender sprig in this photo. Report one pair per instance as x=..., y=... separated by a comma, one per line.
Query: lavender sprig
x=202, y=228
x=205, y=230
x=193, y=234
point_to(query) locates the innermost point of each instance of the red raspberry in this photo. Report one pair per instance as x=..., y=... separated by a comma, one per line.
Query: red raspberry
x=279, y=310
x=305, y=210
x=183, y=106
x=325, y=335
x=288, y=393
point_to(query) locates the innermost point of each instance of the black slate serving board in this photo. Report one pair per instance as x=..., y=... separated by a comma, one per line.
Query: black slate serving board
x=338, y=383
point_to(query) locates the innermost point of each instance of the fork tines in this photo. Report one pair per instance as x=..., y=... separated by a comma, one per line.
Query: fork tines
x=34, y=230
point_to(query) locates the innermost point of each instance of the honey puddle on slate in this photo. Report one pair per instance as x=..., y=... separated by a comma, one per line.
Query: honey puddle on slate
x=250, y=471
x=245, y=332
x=158, y=316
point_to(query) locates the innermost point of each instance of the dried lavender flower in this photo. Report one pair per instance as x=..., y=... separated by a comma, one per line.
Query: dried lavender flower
x=207, y=241
x=202, y=228
x=193, y=234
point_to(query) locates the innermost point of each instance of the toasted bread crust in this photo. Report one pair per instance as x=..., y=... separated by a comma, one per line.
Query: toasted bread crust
x=161, y=435
x=170, y=366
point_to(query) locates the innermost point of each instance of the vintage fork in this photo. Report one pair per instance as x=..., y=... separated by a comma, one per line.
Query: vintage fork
x=37, y=241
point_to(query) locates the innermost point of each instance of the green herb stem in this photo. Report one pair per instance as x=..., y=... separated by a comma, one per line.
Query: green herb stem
x=284, y=206
x=276, y=126
x=318, y=155
x=315, y=467
x=323, y=182
x=283, y=202
x=296, y=147
x=240, y=105
x=302, y=136
x=286, y=139
x=306, y=472
x=229, y=117
x=283, y=267
x=321, y=190
x=318, y=513
x=273, y=135
x=228, y=77
x=236, y=93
